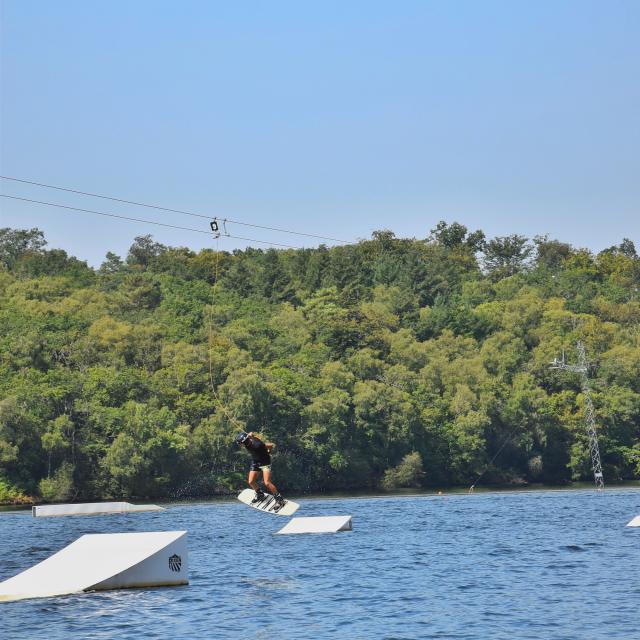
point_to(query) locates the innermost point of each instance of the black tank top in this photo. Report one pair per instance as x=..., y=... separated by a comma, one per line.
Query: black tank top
x=258, y=450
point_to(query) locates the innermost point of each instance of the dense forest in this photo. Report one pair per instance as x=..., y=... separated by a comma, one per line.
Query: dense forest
x=384, y=363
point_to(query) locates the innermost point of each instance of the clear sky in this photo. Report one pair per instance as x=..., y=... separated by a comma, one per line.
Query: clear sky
x=334, y=118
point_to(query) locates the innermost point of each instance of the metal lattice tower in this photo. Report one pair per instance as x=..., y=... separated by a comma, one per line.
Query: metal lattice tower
x=583, y=369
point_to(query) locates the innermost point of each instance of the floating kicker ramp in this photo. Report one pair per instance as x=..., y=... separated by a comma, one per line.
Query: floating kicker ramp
x=91, y=509
x=635, y=522
x=96, y=562
x=320, y=524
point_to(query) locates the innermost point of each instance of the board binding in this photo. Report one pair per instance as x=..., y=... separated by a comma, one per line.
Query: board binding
x=268, y=504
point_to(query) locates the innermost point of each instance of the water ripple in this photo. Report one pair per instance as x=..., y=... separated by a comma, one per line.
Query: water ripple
x=502, y=566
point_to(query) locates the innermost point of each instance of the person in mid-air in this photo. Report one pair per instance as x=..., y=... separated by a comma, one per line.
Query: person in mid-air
x=261, y=461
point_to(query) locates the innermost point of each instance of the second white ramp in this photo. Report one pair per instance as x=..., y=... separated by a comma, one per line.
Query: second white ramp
x=319, y=524
x=91, y=509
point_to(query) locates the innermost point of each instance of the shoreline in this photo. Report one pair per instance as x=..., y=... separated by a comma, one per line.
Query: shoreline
x=372, y=495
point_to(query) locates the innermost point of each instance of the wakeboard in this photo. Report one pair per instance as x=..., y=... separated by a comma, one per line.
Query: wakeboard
x=268, y=504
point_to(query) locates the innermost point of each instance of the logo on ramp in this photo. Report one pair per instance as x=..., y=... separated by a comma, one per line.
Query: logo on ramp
x=175, y=562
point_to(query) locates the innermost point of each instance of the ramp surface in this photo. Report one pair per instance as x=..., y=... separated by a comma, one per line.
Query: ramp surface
x=320, y=524
x=91, y=509
x=635, y=522
x=105, y=561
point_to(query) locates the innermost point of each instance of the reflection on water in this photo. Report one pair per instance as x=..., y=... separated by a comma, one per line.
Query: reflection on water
x=533, y=565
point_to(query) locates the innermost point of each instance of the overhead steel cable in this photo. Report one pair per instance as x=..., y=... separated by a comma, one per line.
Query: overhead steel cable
x=497, y=453
x=169, y=210
x=130, y=219
x=102, y=213
x=221, y=404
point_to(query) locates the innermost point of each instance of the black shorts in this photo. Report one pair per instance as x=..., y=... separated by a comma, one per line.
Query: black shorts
x=259, y=466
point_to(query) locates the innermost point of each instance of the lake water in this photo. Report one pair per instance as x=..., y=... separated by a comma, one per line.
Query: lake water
x=539, y=565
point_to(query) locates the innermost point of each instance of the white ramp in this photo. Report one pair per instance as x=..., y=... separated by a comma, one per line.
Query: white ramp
x=635, y=522
x=320, y=524
x=91, y=509
x=105, y=561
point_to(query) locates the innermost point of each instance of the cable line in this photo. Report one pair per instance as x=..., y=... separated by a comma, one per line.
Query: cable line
x=167, y=209
x=486, y=468
x=102, y=213
x=221, y=404
x=130, y=219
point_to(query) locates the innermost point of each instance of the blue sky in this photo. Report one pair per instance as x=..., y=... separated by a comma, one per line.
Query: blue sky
x=335, y=118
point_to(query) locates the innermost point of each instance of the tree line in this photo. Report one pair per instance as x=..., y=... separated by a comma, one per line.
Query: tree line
x=388, y=362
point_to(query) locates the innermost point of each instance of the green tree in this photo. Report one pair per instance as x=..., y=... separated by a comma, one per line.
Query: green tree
x=507, y=255
x=144, y=251
x=15, y=243
x=407, y=474
x=456, y=236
